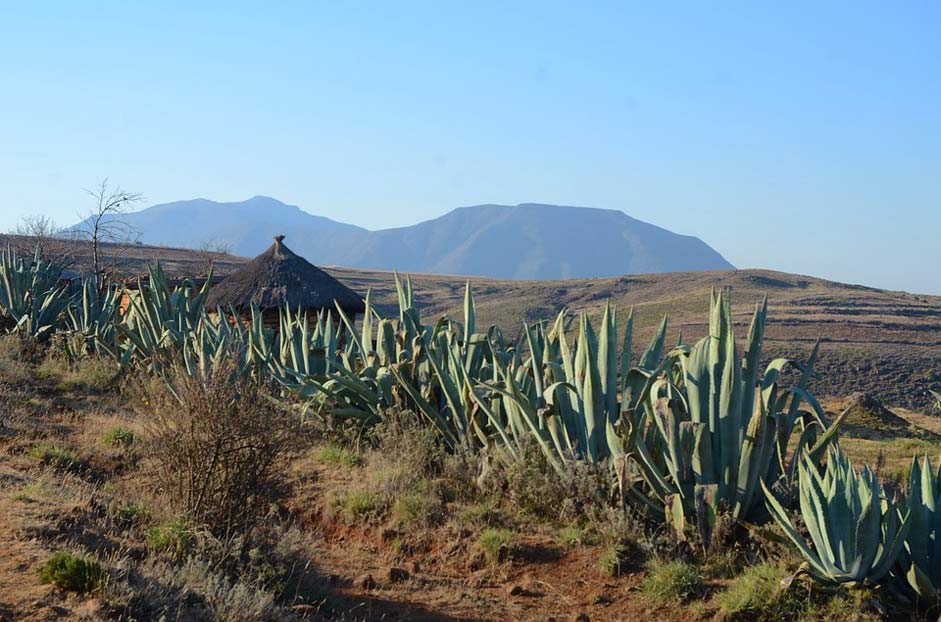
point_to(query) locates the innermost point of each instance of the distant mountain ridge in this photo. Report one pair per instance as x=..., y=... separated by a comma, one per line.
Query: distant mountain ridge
x=525, y=241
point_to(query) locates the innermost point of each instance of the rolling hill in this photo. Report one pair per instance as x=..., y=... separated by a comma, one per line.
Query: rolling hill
x=526, y=241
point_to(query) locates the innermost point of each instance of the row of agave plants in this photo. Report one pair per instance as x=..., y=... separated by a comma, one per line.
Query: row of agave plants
x=693, y=434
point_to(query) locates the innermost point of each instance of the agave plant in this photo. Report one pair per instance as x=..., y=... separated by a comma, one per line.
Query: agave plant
x=93, y=316
x=571, y=399
x=856, y=530
x=716, y=428
x=159, y=319
x=31, y=298
x=918, y=568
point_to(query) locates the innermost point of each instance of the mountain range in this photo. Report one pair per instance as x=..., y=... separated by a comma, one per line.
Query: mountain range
x=526, y=241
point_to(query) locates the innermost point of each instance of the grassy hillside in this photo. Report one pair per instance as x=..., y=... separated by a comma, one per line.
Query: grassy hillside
x=882, y=342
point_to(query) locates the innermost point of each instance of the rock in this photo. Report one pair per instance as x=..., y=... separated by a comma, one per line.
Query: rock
x=515, y=590
x=416, y=567
x=389, y=534
x=477, y=562
x=397, y=575
x=366, y=582
x=582, y=617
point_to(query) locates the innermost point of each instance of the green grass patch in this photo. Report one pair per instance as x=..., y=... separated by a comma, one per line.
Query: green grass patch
x=418, y=508
x=118, y=437
x=175, y=537
x=55, y=456
x=757, y=595
x=72, y=572
x=572, y=536
x=481, y=514
x=359, y=504
x=497, y=544
x=131, y=515
x=34, y=492
x=87, y=373
x=609, y=561
x=670, y=582
x=334, y=455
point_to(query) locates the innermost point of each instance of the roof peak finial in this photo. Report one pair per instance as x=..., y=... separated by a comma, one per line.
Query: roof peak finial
x=279, y=238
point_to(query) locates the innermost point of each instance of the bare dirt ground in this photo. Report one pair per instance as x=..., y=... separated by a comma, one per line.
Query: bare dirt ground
x=352, y=567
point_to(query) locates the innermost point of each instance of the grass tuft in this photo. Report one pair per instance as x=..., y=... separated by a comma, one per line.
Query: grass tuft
x=497, y=544
x=571, y=536
x=72, y=572
x=359, y=504
x=55, y=456
x=670, y=582
x=175, y=537
x=118, y=437
x=334, y=455
x=757, y=595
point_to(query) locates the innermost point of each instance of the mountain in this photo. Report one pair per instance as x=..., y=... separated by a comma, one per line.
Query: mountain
x=247, y=226
x=526, y=241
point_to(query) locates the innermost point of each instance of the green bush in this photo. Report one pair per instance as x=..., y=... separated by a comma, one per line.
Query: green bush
x=72, y=572
x=497, y=544
x=757, y=595
x=670, y=582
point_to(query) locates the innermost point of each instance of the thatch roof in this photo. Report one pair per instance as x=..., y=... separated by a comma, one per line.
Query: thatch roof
x=277, y=278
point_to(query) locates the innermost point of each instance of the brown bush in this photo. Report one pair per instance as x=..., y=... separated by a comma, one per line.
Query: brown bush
x=217, y=445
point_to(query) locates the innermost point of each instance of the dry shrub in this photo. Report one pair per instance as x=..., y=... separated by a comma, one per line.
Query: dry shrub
x=536, y=490
x=218, y=445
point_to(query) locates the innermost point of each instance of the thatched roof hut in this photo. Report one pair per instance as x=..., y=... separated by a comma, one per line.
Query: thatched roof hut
x=277, y=278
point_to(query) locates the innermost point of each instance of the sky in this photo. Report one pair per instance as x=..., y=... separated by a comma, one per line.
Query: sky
x=799, y=136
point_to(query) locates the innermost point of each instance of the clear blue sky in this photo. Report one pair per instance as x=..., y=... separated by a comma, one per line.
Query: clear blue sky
x=803, y=137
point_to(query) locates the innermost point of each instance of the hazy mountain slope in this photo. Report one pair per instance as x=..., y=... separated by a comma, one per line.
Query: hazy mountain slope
x=527, y=241
x=247, y=225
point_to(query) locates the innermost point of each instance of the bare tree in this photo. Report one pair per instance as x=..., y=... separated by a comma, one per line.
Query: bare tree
x=105, y=223
x=37, y=226
x=209, y=250
x=47, y=234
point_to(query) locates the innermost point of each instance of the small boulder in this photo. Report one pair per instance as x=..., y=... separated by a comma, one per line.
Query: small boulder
x=366, y=582
x=397, y=575
x=515, y=590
